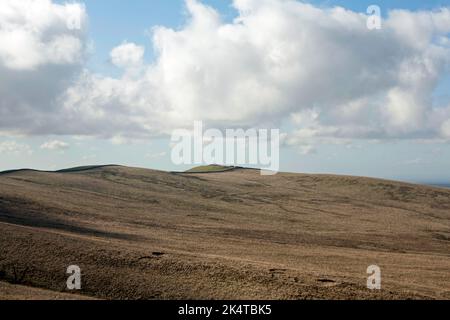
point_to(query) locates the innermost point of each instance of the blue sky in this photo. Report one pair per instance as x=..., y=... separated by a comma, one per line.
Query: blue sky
x=114, y=22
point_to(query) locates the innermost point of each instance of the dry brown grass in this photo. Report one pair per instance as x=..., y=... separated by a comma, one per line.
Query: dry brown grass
x=18, y=292
x=143, y=234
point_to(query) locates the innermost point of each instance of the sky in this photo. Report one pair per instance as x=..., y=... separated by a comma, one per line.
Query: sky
x=112, y=88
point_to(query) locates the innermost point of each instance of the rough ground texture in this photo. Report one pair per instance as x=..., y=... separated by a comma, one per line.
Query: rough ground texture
x=143, y=234
x=18, y=292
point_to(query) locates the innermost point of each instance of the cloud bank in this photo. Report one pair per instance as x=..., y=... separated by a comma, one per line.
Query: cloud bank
x=14, y=148
x=42, y=49
x=318, y=71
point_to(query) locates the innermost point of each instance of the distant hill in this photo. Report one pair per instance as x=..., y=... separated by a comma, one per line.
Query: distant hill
x=228, y=234
x=210, y=168
x=447, y=186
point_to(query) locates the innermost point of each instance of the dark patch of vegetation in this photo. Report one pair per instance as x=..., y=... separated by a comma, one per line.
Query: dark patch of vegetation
x=210, y=168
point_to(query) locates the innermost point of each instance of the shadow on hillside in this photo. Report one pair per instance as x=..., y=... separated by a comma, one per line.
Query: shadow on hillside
x=44, y=222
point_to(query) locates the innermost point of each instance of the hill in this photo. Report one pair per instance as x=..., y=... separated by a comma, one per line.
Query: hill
x=144, y=234
x=210, y=168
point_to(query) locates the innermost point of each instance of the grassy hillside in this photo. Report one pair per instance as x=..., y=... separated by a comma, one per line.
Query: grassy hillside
x=143, y=234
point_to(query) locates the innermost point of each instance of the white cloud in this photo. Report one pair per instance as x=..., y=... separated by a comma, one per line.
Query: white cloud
x=42, y=48
x=319, y=69
x=128, y=55
x=38, y=32
x=307, y=150
x=445, y=129
x=12, y=147
x=55, y=145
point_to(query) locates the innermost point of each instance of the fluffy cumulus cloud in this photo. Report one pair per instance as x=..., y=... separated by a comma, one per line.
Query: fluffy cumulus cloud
x=42, y=46
x=128, y=55
x=55, y=145
x=34, y=33
x=319, y=71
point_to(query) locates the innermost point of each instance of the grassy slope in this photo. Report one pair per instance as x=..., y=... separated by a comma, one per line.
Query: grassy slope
x=209, y=168
x=17, y=292
x=146, y=234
